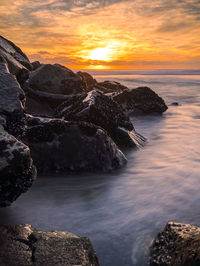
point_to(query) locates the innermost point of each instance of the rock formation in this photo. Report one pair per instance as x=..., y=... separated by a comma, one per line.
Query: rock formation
x=177, y=245
x=24, y=245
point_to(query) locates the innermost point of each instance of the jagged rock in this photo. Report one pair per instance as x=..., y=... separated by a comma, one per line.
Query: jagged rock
x=99, y=109
x=87, y=79
x=110, y=86
x=177, y=245
x=71, y=147
x=35, y=65
x=55, y=79
x=12, y=99
x=24, y=245
x=16, y=169
x=140, y=100
x=10, y=48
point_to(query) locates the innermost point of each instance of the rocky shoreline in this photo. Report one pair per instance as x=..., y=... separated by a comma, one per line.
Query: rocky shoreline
x=53, y=120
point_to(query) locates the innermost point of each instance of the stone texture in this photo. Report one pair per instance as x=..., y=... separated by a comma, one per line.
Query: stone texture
x=23, y=245
x=55, y=79
x=177, y=245
x=17, y=172
x=12, y=99
x=87, y=79
x=71, y=147
x=110, y=86
x=141, y=100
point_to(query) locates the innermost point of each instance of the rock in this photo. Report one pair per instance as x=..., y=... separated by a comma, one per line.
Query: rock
x=24, y=245
x=87, y=79
x=99, y=109
x=55, y=79
x=35, y=65
x=111, y=86
x=12, y=99
x=141, y=100
x=60, y=146
x=16, y=169
x=177, y=245
x=175, y=104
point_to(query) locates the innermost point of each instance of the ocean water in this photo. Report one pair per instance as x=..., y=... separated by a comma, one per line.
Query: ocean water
x=122, y=212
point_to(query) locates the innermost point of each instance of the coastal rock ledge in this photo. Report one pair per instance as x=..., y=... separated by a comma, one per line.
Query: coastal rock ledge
x=177, y=245
x=24, y=245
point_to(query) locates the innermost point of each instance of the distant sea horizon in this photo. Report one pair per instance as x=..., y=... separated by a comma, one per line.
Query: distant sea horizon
x=141, y=72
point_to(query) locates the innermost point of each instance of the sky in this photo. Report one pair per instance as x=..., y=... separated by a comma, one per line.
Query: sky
x=106, y=34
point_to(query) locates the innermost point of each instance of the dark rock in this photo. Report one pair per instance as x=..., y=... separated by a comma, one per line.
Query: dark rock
x=10, y=48
x=55, y=79
x=35, y=65
x=110, y=86
x=16, y=169
x=24, y=245
x=99, y=109
x=12, y=99
x=141, y=100
x=87, y=79
x=71, y=147
x=175, y=104
x=177, y=245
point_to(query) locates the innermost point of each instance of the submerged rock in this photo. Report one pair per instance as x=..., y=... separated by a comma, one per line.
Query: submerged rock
x=24, y=245
x=99, y=109
x=17, y=172
x=141, y=100
x=55, y=79
x=177, y=245
x=71, y=147
x=12, y=99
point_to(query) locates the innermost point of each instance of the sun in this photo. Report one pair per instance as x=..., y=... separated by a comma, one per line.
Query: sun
x=101, y=54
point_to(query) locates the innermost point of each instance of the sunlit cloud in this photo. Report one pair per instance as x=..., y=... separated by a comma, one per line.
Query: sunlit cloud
x=106, y=33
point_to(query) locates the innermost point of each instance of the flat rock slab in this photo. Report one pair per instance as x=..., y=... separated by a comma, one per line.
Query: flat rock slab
x=24, y=245
x=177, y=245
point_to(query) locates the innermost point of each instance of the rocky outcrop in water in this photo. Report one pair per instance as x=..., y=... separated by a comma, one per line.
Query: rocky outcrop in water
x=141, y=100
x=71, y=147
x=177, y=245
x=87, y=79
x=24, y=245
x=110, y=87
x=99, y=109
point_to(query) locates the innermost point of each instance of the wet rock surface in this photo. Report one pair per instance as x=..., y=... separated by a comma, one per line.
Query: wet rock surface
x=177, y=245
x=24, y=245
x=71, y=147
x=99, y=109
x=17, y=172
x=141, y=100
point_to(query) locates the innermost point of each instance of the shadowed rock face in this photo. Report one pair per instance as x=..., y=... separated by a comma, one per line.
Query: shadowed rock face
x=71, y=147
x=12, y=99
x=24, y=245
x=141, y=100
x=16, y=169
x=55, y=79
x=110, y=86
x=87, y=79
x=99, y=109
x=177, y=245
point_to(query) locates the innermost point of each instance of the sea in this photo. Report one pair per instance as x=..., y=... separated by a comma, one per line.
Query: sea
x=122, y=212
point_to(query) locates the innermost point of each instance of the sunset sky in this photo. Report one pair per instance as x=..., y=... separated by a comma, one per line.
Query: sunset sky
x=106, y=34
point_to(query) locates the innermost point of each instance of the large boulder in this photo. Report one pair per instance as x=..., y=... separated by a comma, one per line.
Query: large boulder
x=141, y=100
x=24, y=245
x=110, y=87
x=60, y=146
x=12, y=100
x=87, y=79
x=17, y=172
x=55, y=79
x=177, y=245
x=99, y=109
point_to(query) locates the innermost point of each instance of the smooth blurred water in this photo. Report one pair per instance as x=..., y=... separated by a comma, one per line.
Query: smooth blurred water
x=122, y=212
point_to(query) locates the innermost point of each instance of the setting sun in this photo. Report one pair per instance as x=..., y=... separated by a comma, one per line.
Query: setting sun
x=101, y=54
